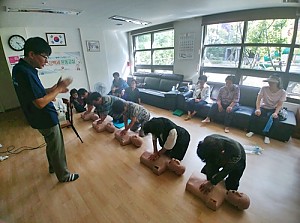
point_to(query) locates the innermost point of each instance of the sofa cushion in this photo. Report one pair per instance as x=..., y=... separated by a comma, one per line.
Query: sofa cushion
x=140, y=80
x=177, y=77
x=242, y=117
x=166, y=85
x=215, y=87
x=152, y=92
x=248, y=95
x=152, y=83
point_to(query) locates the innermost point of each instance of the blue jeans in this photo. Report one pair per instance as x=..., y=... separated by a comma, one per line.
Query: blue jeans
x=227, y=116
x=192, y=105
x=258, y=123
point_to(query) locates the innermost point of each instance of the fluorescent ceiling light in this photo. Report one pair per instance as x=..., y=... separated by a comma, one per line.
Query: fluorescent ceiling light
x=290, y=1
x=131, y=20
x=51, y=11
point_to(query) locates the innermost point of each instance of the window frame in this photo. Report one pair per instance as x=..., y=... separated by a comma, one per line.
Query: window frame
x=152, y=49
x=239, y=71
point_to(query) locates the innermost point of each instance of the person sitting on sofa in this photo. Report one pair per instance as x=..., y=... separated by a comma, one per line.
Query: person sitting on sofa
x=217, y=152
x=74, y=101
x=118, y=85
x=103, y=106
x=201, y=96
x=227, y=102
x=268, y=103
x=132, y=93
x=135, y=112
x=173, y=139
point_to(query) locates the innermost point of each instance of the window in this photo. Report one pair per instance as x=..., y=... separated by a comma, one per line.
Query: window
x=221, y=56
x=216, y=77
x=154, y=51
x=224, y=33
x=265, y=58
x=253, y=81
x=295, y=63
x=253, y=47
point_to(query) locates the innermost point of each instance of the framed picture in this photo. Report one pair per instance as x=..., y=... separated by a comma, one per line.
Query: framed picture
x=56, y=39
x=93, y=45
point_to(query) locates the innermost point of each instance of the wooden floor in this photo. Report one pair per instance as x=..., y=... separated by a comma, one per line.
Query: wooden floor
x=114, y=187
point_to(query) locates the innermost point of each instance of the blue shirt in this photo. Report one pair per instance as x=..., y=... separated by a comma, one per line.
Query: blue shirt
x=120, y=84
x=28, y=87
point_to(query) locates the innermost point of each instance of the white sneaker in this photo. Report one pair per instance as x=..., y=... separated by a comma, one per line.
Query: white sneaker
x=267, y=140
x=207, y=120
x=249, y=134
x=226, y=130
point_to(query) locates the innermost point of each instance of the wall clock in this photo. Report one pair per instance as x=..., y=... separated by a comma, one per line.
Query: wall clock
x=16, y=42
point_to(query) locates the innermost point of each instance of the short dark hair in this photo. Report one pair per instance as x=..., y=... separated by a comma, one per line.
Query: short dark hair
x=209, y=149
x=81, y=91
x=37, y=45
x=134, y=80
x=230, y=78
x=73, y=91
x=94, y=96
x=202, y=78
x=118, y=107
x=116, y=74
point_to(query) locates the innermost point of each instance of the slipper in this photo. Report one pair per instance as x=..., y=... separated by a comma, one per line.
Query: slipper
x=72, y=177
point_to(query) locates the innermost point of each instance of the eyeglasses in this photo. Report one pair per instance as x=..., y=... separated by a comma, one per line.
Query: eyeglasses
x=45, y=57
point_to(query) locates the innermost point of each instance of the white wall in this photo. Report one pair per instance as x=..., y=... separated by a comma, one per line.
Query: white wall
x=188, y=67
x=95, y=66
x=113, y=56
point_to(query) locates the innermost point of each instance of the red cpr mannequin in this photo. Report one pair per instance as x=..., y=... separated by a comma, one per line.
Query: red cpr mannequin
x=104, y=126
x=90, y=116
x=162, y=164
x=128, y=139
x=239, y=200
x=215, y=198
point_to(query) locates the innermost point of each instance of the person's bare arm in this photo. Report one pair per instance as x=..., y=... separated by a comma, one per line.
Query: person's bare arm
x=278, y=107
x=133, y=120
x=257, y=110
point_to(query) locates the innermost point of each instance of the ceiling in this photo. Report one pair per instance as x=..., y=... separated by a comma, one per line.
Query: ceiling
x=95, y=13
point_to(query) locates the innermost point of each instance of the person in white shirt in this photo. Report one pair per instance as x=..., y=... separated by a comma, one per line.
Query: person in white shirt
x=201, y=97
x=173, y=139
x=61, y=109
x=268, y=103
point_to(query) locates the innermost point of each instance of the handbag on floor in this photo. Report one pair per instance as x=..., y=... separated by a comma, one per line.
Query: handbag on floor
x=282, y=114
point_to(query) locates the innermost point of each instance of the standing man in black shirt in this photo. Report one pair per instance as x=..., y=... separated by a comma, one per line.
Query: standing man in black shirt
x=36, y=103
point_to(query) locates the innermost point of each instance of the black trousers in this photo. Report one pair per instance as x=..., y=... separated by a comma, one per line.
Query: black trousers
x=258, y=123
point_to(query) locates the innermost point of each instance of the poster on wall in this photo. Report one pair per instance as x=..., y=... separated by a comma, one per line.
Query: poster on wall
x=186, y=46
x=13, y=60
x=60, y=62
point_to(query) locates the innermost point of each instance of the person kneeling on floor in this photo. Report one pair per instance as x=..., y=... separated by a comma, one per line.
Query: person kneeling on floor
x=173, y=139
x=217, y=152
x=135, y=112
